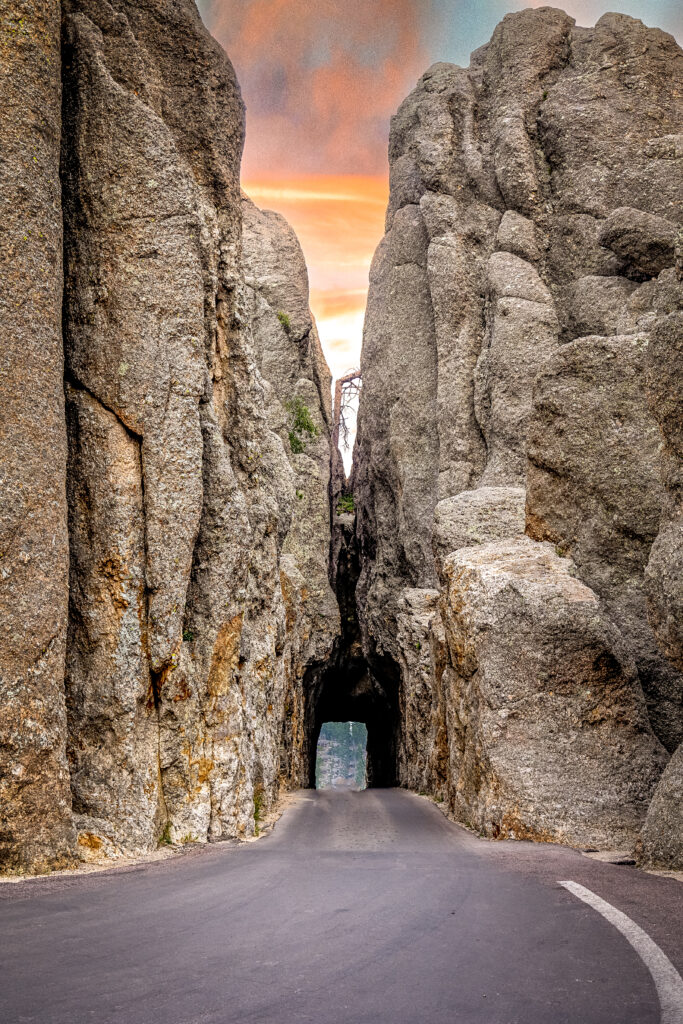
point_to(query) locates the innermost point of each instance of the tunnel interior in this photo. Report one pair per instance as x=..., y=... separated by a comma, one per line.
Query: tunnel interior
x=345, y=690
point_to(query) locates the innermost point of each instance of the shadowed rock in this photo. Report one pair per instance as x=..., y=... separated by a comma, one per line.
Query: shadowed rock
x=662, y=836
x=644, y=242
x=36, y=832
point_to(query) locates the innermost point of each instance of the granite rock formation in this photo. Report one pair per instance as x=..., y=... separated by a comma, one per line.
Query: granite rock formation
x=662, y=838
x=544, y=702
x=35, y=804
x=181, y=605
x=155, y=464
x=521, y=374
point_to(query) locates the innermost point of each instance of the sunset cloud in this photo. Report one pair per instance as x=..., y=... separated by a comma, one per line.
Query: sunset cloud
x=339, y=220
x=321, y=79
x=320, y=82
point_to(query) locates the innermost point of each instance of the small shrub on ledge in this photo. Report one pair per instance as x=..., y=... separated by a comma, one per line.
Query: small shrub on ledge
x=345, y=504
x=285, y=321
x=302, y=428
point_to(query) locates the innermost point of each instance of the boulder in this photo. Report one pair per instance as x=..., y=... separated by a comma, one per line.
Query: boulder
x=548, y=729
x=517, y=234
x=477, y=517
x=661, y=843
x=600, y=305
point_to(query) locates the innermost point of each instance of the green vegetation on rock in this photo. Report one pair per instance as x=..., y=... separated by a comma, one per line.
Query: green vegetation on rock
x=345, y=504
x=258, y=809
x=302, y=428
x=285, y=321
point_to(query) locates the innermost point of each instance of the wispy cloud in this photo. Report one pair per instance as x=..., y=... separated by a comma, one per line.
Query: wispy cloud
x=321, y=79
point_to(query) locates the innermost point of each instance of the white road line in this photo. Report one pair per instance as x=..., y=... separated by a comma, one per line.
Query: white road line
x=668, y=981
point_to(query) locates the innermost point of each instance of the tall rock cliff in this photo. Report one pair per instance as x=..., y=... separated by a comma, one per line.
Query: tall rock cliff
x=35, y=811
x=517, y=468
x=161, y=461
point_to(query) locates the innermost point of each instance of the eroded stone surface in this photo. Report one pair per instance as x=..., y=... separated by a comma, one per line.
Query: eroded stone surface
x=594, y=490
x=643, y=241
x=477, y=517
x=521, y=167
x=662, y=836
x=549, y=735
x=664, y=573
x=198, y=540
x=35, y=804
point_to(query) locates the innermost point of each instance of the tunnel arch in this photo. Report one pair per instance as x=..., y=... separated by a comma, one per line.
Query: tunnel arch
x=346, y=690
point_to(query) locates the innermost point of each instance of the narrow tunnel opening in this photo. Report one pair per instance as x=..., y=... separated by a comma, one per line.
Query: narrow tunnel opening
x=347, y=688
x=341, y=756
x=344, y=690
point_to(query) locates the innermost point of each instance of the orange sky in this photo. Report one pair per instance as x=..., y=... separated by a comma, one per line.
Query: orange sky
x=339, y=220
x=321, y=79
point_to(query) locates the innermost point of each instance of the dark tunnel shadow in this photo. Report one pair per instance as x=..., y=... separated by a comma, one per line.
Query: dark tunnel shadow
x=346, y=690
x=346, y=687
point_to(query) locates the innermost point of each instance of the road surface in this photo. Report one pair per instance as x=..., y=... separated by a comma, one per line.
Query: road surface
x=358, y=907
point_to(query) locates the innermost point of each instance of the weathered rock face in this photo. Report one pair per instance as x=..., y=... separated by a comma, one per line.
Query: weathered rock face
x=198, y=541
x=477, y=517
x=543, y=700
x=525, y=275
x=35, y=803
x=594, y=490
x=664, y=573
x=662, y=840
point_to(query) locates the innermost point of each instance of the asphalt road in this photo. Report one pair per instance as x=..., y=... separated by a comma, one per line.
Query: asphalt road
x=359, y=907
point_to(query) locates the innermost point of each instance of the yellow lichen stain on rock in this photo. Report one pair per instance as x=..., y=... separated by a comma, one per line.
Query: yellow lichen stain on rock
x=513, y=827
x=204, y=768
x=90, y=841
x=225, y=657
x=199, y=768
